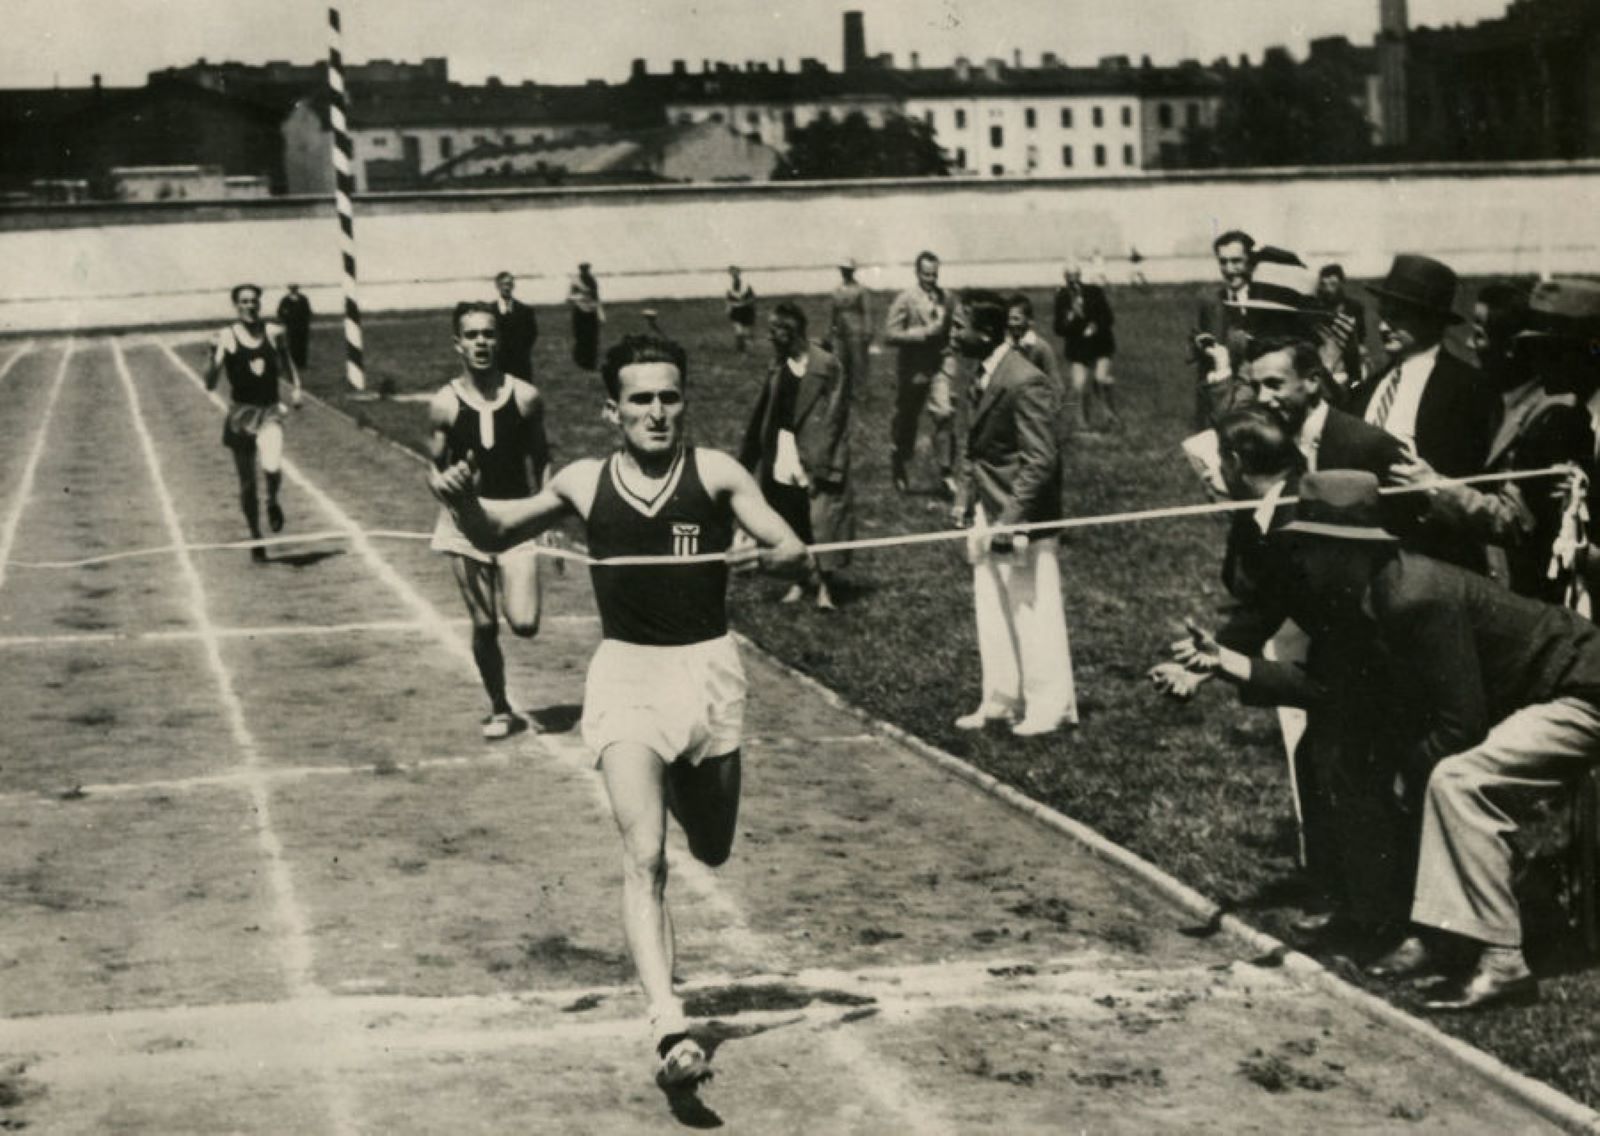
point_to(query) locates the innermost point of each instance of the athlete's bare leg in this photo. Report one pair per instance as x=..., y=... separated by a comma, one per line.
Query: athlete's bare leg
x=1106, y=388
x=704, y=799
x=521, y=593
x=635, y=779
x=269, y=444
x=477, y=582
x=244, y=463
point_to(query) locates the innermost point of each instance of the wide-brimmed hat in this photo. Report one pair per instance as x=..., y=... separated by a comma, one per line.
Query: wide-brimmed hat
x=1421, y=282
x=1565, y=308
x=1339, y=503
x=1280, y=282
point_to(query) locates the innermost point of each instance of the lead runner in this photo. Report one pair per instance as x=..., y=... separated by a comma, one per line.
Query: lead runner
x=664, y=699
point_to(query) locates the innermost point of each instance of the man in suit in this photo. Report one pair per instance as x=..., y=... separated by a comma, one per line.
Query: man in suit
x=1220, y=323
x=1026, y=339
x=1083, y=320
x=918, y=325
x=516, y=328
x=798, y=444
x=1432, y=400
x=1012, y=475
x=850, y=324
x=1535, y=351
x=294, y=312
x=1346, y=342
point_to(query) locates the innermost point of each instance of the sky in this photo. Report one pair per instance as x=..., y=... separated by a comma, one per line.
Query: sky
x=65, y=42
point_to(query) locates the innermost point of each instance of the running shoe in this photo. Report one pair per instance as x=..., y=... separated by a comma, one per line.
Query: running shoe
x=681, y=1061
x=501, y=725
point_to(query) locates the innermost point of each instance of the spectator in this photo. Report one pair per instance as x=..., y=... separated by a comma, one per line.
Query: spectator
x=1219, y=329
x=1347, y=339
x=517, y=329
x=294, y=313
x=583, y=297
x=798, y=445
x=1083, y=320
x=740, y=303
x=918, y=325
x=850, y=324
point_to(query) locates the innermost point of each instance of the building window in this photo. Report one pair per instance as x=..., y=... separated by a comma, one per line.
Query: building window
x=997, y=136
x=1127, y=116
x=685, y=118
x=1192, y=114
x=1164, y=116
x=1033, y=158
x=1099, y=116
x=1099, y=155
x=380, y=142
x=1127, y=155
x=961, y=156
x=961, y=120
x=1030, y=118
x=1066, y=156
x=997, y=171
x=716, y=116
x=752, y=118
x=447, y=146
x=1066, y=118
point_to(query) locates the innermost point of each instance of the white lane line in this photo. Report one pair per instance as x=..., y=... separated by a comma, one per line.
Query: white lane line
x=867, y=1068
x=8, y=533
x=284, y=630
x=294, y=934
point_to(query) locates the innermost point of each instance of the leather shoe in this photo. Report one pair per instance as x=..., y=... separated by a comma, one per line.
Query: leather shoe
x=982, y=716
x=1489, y=987
x=1407, y=960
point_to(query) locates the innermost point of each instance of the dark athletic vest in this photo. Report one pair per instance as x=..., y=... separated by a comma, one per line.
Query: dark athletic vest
x=252, y=371
x=502, y=467
x=660, y=605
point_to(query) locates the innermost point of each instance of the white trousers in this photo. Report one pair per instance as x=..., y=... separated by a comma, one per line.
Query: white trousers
x=1022, y=633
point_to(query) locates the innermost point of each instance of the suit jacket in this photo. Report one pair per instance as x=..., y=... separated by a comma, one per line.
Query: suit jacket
x=1080, y=346
x=516, y=331
x=821, y=419
x=1459, y=655
x=1012, y=465
x=1457, y=417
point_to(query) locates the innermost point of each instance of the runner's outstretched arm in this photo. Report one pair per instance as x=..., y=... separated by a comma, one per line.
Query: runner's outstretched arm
x=781, y=551
x=497, y=525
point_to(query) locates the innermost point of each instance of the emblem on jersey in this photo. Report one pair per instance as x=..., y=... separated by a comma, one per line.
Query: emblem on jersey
x=258, y=365
x=685, y=539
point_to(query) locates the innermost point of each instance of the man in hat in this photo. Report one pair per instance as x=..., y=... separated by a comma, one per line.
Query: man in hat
x=1492, y=695
x=1428, y=397
x=517, y=329
x=850, y=324
x=1536, y=353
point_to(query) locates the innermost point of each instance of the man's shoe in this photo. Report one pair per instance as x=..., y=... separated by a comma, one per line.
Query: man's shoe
x=982, y=716
x=258, y=554
x=1409, y=959
x=1314, y=923
x=1035, y=727
x=1489, y=986
x=681, y=1061
x=502, y=725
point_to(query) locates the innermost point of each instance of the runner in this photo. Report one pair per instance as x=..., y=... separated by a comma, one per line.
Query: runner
x=496, y=421
x=664, y=700
x=253, y=354
x=739, y=301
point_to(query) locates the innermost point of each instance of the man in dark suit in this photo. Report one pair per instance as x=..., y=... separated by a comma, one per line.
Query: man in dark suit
x=294, y=312
x=1220, y=323
x=1012, y=475
x=1083, y=320
x=1433, y=401
x=1347, y=336
x=1493, y=695
x=517, y=329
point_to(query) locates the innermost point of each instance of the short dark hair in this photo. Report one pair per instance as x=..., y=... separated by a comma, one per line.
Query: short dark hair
x=1260, y=439
x=504, y=274
x=1019, y=300
x=986, y=312
x=789, y=310
x=926, y=254
x=234, y=293
x=641, y=348
x=1331, y=270
x=467, y=307
x=1234, y=236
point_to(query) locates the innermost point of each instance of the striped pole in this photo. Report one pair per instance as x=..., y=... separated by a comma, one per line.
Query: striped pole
x=344, y=187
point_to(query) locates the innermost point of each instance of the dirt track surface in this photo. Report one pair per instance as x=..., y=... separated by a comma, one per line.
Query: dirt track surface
x=263, y=877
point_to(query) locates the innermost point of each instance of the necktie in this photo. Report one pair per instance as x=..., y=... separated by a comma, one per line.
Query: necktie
x=1378, y=409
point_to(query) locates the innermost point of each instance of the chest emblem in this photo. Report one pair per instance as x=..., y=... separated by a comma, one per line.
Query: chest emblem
x=258, y=366
x=685, y=539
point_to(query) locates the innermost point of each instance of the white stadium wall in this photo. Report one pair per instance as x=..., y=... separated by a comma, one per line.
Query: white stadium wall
x=126, y=265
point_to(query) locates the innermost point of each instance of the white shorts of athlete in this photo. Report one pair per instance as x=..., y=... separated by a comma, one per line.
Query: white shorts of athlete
x=448, y=537
x=684, y=703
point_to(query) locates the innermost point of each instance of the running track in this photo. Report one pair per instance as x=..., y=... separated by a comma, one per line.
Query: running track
x=262, y=877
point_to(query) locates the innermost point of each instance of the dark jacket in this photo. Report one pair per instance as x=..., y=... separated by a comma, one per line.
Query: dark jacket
x=821, y=420
x=517, y=331
x=1080, y=343
x=1012, y=465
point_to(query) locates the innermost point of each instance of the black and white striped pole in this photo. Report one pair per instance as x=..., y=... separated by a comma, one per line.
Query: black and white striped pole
x=344, y=189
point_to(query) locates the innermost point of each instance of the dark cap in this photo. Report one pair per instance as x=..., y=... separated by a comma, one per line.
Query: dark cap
x=1339, y=503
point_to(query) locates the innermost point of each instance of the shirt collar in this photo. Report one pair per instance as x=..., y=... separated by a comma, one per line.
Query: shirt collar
x=1422, y=363
x=993, y=361
x=1268, y=507
x=1311, y=429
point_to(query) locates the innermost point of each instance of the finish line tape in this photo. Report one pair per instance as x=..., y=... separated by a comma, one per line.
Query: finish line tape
x=1171, y=512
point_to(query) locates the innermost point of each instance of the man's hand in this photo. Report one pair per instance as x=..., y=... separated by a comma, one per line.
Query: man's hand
x=1177, y=681
x=792, y=562
x=455, y=485
x=1412, y=470
x=1198, y=650
x=744, y=555
x=1007, y=542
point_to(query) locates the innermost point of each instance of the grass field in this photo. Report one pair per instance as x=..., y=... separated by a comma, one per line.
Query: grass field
x=1200, y=789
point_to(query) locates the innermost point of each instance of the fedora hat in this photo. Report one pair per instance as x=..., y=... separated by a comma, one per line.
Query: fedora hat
x=1339, y=503
x=1566, y=308
x=1421, y=282
x=1280, y=282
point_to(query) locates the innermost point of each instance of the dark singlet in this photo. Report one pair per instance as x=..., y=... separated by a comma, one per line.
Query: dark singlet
x=252, y=371
x=660, y=605
x=503, y=466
